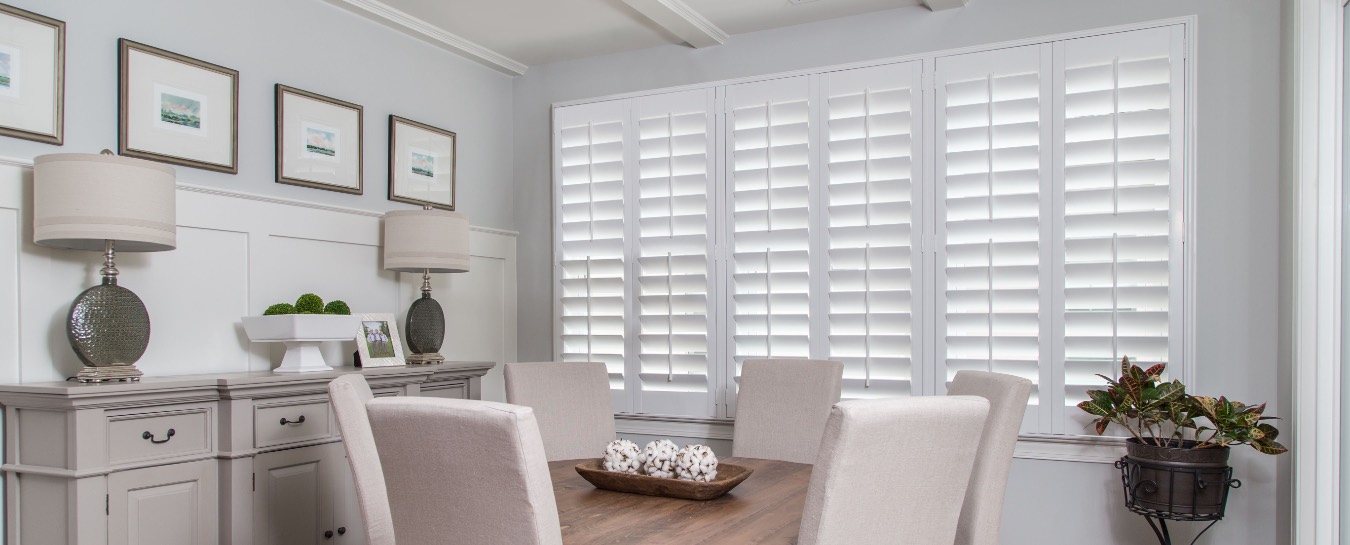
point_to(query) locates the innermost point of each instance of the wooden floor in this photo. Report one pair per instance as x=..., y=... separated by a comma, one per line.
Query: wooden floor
x=766, y=508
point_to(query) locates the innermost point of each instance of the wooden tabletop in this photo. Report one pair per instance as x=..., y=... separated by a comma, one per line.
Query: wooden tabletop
x=766, y=508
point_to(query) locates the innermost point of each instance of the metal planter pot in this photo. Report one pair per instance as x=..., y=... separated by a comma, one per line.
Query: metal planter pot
x=1176, y=483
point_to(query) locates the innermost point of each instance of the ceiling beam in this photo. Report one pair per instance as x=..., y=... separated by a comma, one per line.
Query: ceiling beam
x=437, y=36
x=681, y=20
x=939, y=5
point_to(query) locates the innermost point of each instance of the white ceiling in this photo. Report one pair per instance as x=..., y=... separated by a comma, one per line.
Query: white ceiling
x=536, y=32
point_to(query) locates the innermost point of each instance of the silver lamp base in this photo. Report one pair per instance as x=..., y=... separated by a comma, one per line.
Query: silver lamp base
x=109, y=328
x=425, y=359
x=110, y=373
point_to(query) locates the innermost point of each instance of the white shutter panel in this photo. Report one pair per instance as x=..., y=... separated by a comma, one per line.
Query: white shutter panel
x=871, y=167
x=589, y=232
x=675, y=211
x=768, y=189
x=1121, y=173
x=993, y=222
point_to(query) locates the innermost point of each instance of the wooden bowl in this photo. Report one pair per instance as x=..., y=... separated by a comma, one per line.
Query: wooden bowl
x=728, y=476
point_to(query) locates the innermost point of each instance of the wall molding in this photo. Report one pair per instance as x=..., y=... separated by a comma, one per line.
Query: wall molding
x=207, y=190
x=418, y=28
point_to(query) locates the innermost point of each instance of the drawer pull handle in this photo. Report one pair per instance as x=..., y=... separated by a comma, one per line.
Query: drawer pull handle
x=151, y=437
x=301, y=420
x=328, y=534
x=342, y=530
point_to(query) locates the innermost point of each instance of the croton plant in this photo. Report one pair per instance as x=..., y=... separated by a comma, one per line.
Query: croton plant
x=1161, y=413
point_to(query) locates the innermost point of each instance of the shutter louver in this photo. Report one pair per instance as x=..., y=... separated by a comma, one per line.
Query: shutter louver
x=592, y=273
x=768, y=185
x=1119, y=202
x=993, y=236
x=675, y=207
x=872, y=234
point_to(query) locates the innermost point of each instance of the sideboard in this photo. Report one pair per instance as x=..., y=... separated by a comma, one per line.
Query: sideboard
x=239, y=459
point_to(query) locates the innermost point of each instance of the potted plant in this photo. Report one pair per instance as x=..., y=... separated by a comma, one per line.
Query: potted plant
x=302, y=327
x=1176, y=463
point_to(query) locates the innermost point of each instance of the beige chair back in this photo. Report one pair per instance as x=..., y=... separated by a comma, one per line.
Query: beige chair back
x=982, y=511
x=349, y=394
x=571, y=401
x=782, y=406
x=463, y=471
x=893, y=471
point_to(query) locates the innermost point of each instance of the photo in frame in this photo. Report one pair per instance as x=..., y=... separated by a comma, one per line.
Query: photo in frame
x=377, y=341
x=176, y=109
x=421, y=164
x=319, y=141
x=32, y=76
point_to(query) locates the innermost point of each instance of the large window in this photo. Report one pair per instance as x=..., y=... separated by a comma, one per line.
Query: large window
x=1016, y=210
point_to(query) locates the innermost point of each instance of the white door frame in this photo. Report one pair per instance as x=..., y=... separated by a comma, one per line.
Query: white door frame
x=1315, y=175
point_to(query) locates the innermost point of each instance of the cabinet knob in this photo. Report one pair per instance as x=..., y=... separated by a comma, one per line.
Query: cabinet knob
x=301, y=420
x=328, y=534
x=342, y=530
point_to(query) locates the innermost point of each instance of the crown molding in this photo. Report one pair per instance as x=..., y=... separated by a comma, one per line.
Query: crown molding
x=939, y=5
x=681, y=20
x=403, y=22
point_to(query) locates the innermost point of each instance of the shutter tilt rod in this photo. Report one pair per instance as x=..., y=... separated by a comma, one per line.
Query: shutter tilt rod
x=867, y=316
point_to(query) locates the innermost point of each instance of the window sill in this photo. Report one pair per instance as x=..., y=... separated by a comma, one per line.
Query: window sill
x=1062, y=448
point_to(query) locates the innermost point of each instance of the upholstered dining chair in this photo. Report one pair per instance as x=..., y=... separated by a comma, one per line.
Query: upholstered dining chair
x=893, y=468
x=981, y=514
x=465, y=471
x=782, y=406
x=571, y=401
x=349, y=394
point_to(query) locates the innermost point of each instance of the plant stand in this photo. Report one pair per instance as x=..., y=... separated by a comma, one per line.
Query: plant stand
x=1140, y=490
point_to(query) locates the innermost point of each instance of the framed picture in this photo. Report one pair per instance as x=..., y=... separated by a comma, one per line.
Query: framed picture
x=377, y=342
x=319, y=141
x=32, y=76
x=421, y=164
x=177, y=109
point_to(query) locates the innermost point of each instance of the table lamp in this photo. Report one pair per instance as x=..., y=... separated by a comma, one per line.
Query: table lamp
x=426, y=241
x=104, y=202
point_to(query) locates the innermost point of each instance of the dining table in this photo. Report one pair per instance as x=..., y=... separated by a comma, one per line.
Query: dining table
x=766, y=508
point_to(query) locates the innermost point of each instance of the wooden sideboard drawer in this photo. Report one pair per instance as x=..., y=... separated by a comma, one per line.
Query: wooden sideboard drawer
x=291, y=422
x=163, y=434
x=447, y=390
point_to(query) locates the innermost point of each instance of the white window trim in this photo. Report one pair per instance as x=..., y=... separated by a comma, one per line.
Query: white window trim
x=1033, y=446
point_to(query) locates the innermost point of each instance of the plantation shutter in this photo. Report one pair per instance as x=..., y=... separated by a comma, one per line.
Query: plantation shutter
x=590, y=161
x=872, y=166
x=993, y=229
x=675, y=210
x=1122, y=146
x=768, y=162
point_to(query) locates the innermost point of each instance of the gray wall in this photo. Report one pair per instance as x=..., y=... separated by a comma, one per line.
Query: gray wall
x=307, y=44
x=1237, y=223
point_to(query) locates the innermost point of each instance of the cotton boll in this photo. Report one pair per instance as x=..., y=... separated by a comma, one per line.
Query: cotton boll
x=696, y=463
x=658, y=459
x=623, y=456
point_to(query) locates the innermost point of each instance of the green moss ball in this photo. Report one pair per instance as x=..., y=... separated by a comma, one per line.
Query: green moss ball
x=337, y=307
x=279, y=308
x=309, y=304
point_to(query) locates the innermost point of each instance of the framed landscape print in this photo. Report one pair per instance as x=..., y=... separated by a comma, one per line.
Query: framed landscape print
x=177, y=109
x=319, y=141
x=32, y=76
x=421, y=164
x=377, y=341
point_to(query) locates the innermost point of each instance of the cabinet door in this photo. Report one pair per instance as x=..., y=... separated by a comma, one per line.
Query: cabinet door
x=167, y=505
x=351, y=528
x=293, y=495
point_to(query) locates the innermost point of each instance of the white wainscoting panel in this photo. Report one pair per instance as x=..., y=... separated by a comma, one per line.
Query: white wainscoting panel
x=238, y=253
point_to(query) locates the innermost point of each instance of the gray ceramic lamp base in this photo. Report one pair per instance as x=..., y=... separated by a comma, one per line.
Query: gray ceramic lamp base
x=109, y=329
x=425, y=329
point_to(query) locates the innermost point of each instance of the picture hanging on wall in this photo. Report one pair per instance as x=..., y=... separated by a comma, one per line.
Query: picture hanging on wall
x=421, y=164
x=377, y=341
x=319, y=141
x=177, y=109
x=32, y=76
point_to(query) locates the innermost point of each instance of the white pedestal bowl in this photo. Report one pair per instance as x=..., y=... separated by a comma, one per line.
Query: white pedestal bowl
x=302, y=333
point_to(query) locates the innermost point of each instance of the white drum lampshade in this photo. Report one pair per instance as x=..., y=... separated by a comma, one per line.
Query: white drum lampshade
x=105, y=202
x=426, y=241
